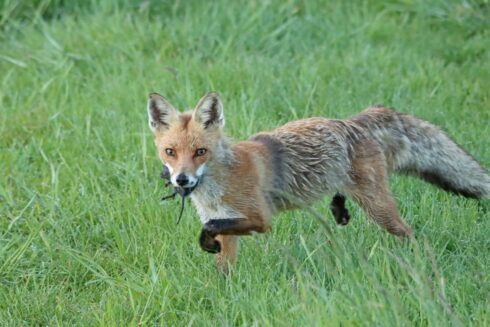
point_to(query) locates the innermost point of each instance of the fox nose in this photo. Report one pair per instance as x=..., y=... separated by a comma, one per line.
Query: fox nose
x=182, y=179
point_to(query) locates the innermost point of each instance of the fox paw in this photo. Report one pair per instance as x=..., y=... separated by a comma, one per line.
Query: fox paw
x=341, y=215
x=339, y=211
x=208, y=243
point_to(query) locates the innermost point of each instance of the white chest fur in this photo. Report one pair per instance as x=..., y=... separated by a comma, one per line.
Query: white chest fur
x=209, y=205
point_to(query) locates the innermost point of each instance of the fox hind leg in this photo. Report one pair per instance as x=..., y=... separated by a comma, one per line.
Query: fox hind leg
x=370, y=188
x=383, y=211
x=339, y=211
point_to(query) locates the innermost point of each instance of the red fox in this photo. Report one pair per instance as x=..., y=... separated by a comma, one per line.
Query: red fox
x=237, y=187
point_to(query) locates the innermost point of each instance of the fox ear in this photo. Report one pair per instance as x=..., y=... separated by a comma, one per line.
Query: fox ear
x=160, y=112
x=209, y=111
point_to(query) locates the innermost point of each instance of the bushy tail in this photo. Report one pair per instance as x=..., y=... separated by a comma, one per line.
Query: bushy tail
x=437, y=159
x=419, y=148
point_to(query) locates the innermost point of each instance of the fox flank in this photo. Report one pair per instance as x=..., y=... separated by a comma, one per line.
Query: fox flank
x=237, y=187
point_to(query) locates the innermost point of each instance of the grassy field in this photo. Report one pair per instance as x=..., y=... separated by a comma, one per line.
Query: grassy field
x=83, y=237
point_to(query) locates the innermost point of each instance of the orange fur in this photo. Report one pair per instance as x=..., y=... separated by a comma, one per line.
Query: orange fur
x=237, y=188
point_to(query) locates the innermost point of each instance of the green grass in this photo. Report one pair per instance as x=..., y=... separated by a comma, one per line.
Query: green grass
x=83, y=237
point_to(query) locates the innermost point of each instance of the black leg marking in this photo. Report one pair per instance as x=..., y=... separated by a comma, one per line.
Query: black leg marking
x=339, y=211
x=217, y=226
x=208, y=243
x=232, y=226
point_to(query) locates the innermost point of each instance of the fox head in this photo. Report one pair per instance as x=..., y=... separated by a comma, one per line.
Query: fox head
x=186, y=142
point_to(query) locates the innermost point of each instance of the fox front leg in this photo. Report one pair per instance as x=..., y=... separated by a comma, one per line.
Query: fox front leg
x=220, y=236
x=208, y=242
x=224, y=246
x=234, y=226
x=227, y=256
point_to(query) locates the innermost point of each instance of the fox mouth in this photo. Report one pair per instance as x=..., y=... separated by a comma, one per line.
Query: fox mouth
x=180, y=190
x=185, y=191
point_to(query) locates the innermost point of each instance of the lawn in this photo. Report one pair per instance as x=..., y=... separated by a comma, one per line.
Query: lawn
x=84, y=239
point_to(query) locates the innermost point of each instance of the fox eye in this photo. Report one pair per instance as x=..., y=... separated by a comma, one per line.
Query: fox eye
x=201, y=152
x=170, y=152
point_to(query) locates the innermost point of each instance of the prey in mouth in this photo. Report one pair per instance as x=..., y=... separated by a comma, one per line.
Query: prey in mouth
x=180, y=190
